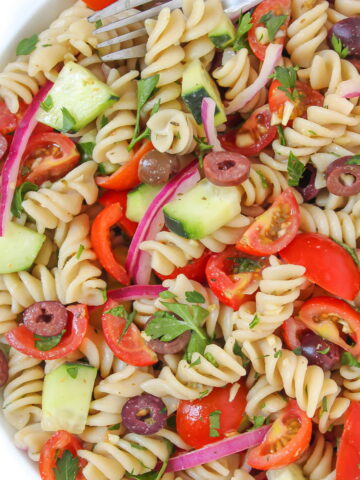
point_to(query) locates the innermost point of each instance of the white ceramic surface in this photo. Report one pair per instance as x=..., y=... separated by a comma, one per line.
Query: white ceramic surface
x=19, y=19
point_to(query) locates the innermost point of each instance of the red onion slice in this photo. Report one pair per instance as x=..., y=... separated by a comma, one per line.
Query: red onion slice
x=349, y=88
x=208, y=108
x=135, y=292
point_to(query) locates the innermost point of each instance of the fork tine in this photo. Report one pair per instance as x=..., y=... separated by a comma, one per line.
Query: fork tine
x=117, y=7
x=132, y=52
x=123, y=38
x=138, y=17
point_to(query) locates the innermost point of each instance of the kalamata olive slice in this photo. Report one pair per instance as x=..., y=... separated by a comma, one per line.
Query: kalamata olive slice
x=226, y=169
x=252, y=210
x=307, y=184
x=156, y=168
x=319, y=351
x=348, y=31
x=334, y=179
x=144, y=414
x=4, y=369
x=175, y=346
x=45, y=318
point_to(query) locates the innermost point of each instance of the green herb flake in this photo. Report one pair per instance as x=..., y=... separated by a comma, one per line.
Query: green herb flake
x=166, y=294
x=287, y=78
x=350, y=251
x=86, y=151
x=324, y=406
x=210, y=358
x=194, y=297
x=47, y=343
x=258, y=421
x=244, y=264
x=278, y=354
x=244, y=25
x=5, y=349
x=114, y=427
x=312, y=133
x=273, y=23
x=195, y=362
x=72, y=370
x=324, y=352
x=16, y=204
x=104, y=121
x=196, y=344
x=47, y=104
x=214, y=423
x=98, y=23
x=354, y=160
x=204, y=148
x=255, y=321
x=348, y=359
x=67, y=467
x=203, y=393
x=104, y=295
x=165, y=327
x=80, y=251
x=27, y=45
x=264, y=182
x=69, y=121
x=281, y=134
x=295, y=170
x=297, y=351
x=338, y=46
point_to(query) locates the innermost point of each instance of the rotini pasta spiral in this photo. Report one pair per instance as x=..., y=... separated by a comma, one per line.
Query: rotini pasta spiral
x=350, y=8
x=221, y=469
x=262, y=398
x=317, y=460
x=7, y=316
x=31, y=439
x=172, y=131
x=351, y=383
x=63, y=200
x=22, y=394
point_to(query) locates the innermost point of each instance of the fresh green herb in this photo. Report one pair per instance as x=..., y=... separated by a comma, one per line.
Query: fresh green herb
x=297, y=351
x=354, y=160
x=27, y=45
x=145, y=89
x=194, y=297
x=210, y=358
x=69, y=121
x=16, y=204
x=278, y=354
x=119, y=311
x=195, y=362
x=171, y=421
x=67, y=467
x=80, y=251
x=203, y=393
x=72, y=370
x=104, y=121
x=47, y=104
x=262, y=178
x=98, y=23
x=5, y=349
x=243, y=264
x=273, y=23
x=165, y=326
x=47, y=45
x=86, y=151
x=324, y=352
x=115, y=427
x=204, y=148
x=25, y=170
x=348, y=359
x=147, y=132
x=166, y=294
x=244, y=26
x=295, y=170
x=47, y=343
x=287, y=77
x=104, y=294
x=312, y=133
x=163, y=410
x=338, y=46
x=214, y=423
x=155, y=475
x=196, y=344
x=258, y=421
x=193, y=316
x=324, y=406
x=237, y=351
x=350, y=251
x=281, y=135
x=255, y=321
x=137, y=446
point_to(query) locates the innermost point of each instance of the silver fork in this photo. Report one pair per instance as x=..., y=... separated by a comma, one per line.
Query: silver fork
x=231, y=7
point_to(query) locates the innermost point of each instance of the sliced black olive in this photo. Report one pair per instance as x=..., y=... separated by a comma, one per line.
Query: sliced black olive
x=157, y=168
x=348, y=31
x=46, y=318
x=144, y=414
x=334, y=177
x=307, y=184
x=226, y=168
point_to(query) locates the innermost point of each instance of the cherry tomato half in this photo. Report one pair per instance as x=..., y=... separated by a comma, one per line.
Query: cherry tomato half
x=274, y=229
x=54, y=449
x=23, y=340
x=293, y=330
x=193, y=418
x=274, y=8
x=327, y=263
x=194, y=270
x=131, y=348
x=230, y=273
x=253, y=136
x=98, y=4
x=285, y=442
x=334, y=320
x=348, y=456
x=48, y=156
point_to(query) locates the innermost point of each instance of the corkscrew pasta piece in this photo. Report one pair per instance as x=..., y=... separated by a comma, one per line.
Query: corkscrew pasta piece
x=262, y=398
x=351, y=382
x=115, y=132
x=241, y=475
x=172, y=131
x=317, y=461
x=306, y=34
x=31, y=439
x=349, y=8
x=124, y=383
x=22, y=394
x=333, y=414
x=217, y=470
x=164, y=56
x=7, y=316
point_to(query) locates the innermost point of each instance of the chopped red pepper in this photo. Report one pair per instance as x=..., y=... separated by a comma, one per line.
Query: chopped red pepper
x=112, y=196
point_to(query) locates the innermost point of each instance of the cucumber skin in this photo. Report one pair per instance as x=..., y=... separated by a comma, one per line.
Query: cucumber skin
x=193, y=101
x=175, y=226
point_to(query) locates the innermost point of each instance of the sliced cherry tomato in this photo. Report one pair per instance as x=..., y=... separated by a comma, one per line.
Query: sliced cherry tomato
x=98, y=4
x=194, y=270
x=292, y=332
x=230, y=273
x=23, y=340
x=48, y=156
x=274, y=229
x=193, y=418
x=348, y=455
x=100, y=239
x=305, y=97
x=113, y=196
x=253, y=136
x=334, y=320
x=285, y=442
x=131, y=348
x=59, y=442
x=126, y=177
x=268, y=7
x=327, y=263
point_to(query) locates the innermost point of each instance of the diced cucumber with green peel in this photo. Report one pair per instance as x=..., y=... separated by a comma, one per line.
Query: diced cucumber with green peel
x=75, y=100
x=139, y=199
x=291, y=472
x=202, y=210
x=224, y=33
x=66, y=397
x=19, y=248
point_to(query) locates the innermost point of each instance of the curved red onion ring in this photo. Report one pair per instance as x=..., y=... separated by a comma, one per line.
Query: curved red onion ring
x=208, y=108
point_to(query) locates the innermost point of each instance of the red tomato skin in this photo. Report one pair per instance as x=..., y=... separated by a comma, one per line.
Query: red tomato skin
x=327, y=264
x=322, y=305
x=23, y=340
x=54, y=448
x=280, y=7
x=260, y=457
x=194, y=270
x=348, y=455
x=98, y=4
x=261, y=116
x=112, y=196
x=192, y=417
x=132, y=348
x=251, y=242
x=292, y=330
x=8, y=121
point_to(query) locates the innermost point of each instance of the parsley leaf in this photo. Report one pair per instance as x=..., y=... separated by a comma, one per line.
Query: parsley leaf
x=104, y=121
x=324, y=406
x=281, y=135
x=155, y=475
x=214, y=423
x=69, y=121
x=194, y=297
x=210, y=358
x=324, y=351
x=147, y=132
x=255, y=321
x=166, y=294
x=264, y=182
x=47, y=104
x=258, y=421
x=244, y=26
x=72, y=370
x=114, y=427
x=355, y=160
x=196, y=344
x=348, y=359
x=193, y=316
x=295, y=170
x=5, y=349
x=16, y=204
x=278, y=354
x=86, y=151
x=287, y=78
x=27, y=45
x=243, y=264
x=165, y=326
x=119, y=311
x=350, y=251
x=80, y=251
x=98, y=23
x=203, y=394
x=47, y=343
x=337, y=45
x=273, y=23
x=297, y=351
x=67, y=467
x=104, y=294
x=204, y=148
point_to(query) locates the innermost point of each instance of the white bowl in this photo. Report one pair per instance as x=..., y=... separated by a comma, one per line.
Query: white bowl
x=20, y=19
